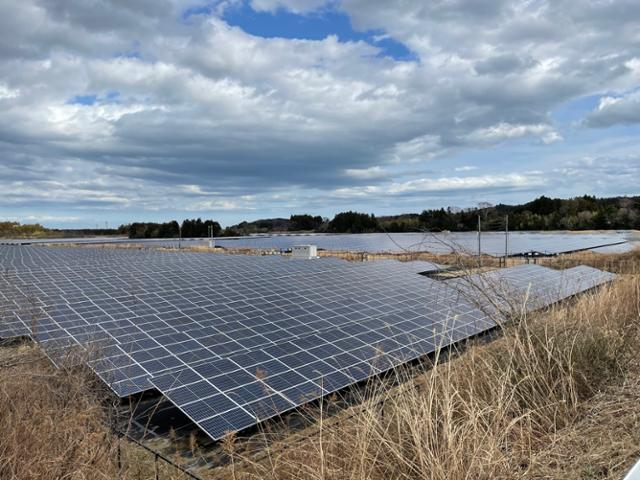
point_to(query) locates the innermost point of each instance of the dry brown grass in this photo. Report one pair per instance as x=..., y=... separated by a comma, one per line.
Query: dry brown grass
x=54, y=424
x=627, y=263
x=453, y=259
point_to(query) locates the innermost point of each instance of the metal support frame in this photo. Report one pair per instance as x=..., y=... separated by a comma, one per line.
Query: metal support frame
x=479, y=242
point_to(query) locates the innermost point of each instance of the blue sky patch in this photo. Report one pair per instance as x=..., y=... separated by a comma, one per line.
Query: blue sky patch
x=316, y=25
x=83, y=100
x=111, y=96
x=576, y=110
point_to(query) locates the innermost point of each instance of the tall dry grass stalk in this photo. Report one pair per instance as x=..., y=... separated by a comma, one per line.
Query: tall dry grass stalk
x=485, y=414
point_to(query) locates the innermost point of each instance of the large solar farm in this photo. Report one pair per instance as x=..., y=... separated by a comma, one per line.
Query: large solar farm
x=492, y=243
x=234, y=340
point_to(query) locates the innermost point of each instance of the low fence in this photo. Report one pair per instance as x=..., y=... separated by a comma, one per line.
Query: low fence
x=163, y=467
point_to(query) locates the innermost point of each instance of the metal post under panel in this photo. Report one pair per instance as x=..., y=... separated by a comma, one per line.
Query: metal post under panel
x=506, y=239
x=479, y=242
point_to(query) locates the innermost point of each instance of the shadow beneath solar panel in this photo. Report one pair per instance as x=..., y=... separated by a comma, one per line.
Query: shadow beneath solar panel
x=152, y=416
x=155, y=422
x=14, y=341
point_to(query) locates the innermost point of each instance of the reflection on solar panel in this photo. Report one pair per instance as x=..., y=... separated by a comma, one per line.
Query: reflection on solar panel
x=233, y=340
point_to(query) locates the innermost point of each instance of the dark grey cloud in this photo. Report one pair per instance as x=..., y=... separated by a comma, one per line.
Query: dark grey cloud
x=126, y=16
x=503, y=64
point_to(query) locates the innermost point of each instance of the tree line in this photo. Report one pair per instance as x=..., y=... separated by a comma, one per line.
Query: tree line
x=543, y=213
x=17, y=230
x=187, y=229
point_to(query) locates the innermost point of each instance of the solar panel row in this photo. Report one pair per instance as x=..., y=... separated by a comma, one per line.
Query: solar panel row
x=233, y=340
x=527, y=286
x=493, y=243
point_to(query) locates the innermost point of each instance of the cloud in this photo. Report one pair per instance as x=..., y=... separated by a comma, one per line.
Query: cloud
x=615, y=174
x=140, y=107
x=215, y=205
x=505, y=131
x=624, y=109
x=6, y=92
x=511, y=181
x=296, y=6
x=465, y=168
x=480, y=182
x=366, y=173
x=503, y=64
x=51, y=218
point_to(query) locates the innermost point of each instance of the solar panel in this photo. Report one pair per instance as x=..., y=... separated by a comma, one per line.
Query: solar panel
x=233, y=340
x=529, y=286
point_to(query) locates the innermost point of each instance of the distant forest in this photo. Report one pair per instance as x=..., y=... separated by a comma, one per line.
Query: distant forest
x=16, y=230
x=187, y=229
x=543, y=213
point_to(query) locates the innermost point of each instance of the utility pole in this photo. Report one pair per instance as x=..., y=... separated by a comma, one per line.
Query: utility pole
x=179, y=236
x=479, y=242
x=506, y=239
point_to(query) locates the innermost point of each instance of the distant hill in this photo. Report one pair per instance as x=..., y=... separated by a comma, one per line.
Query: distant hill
x=295, y=223
x=35, y=230
x=543, y=213
x=17, y=230
x=265, y=225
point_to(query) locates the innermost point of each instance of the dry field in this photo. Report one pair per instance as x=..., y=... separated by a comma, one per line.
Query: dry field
x=556, y=396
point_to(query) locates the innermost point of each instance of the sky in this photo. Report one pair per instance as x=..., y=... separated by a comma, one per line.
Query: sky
x=113, y=111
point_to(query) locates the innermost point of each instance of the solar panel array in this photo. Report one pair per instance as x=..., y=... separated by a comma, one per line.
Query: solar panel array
x=143, y=313
x=528, y=286
x=233, y=340
x=493, y=243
